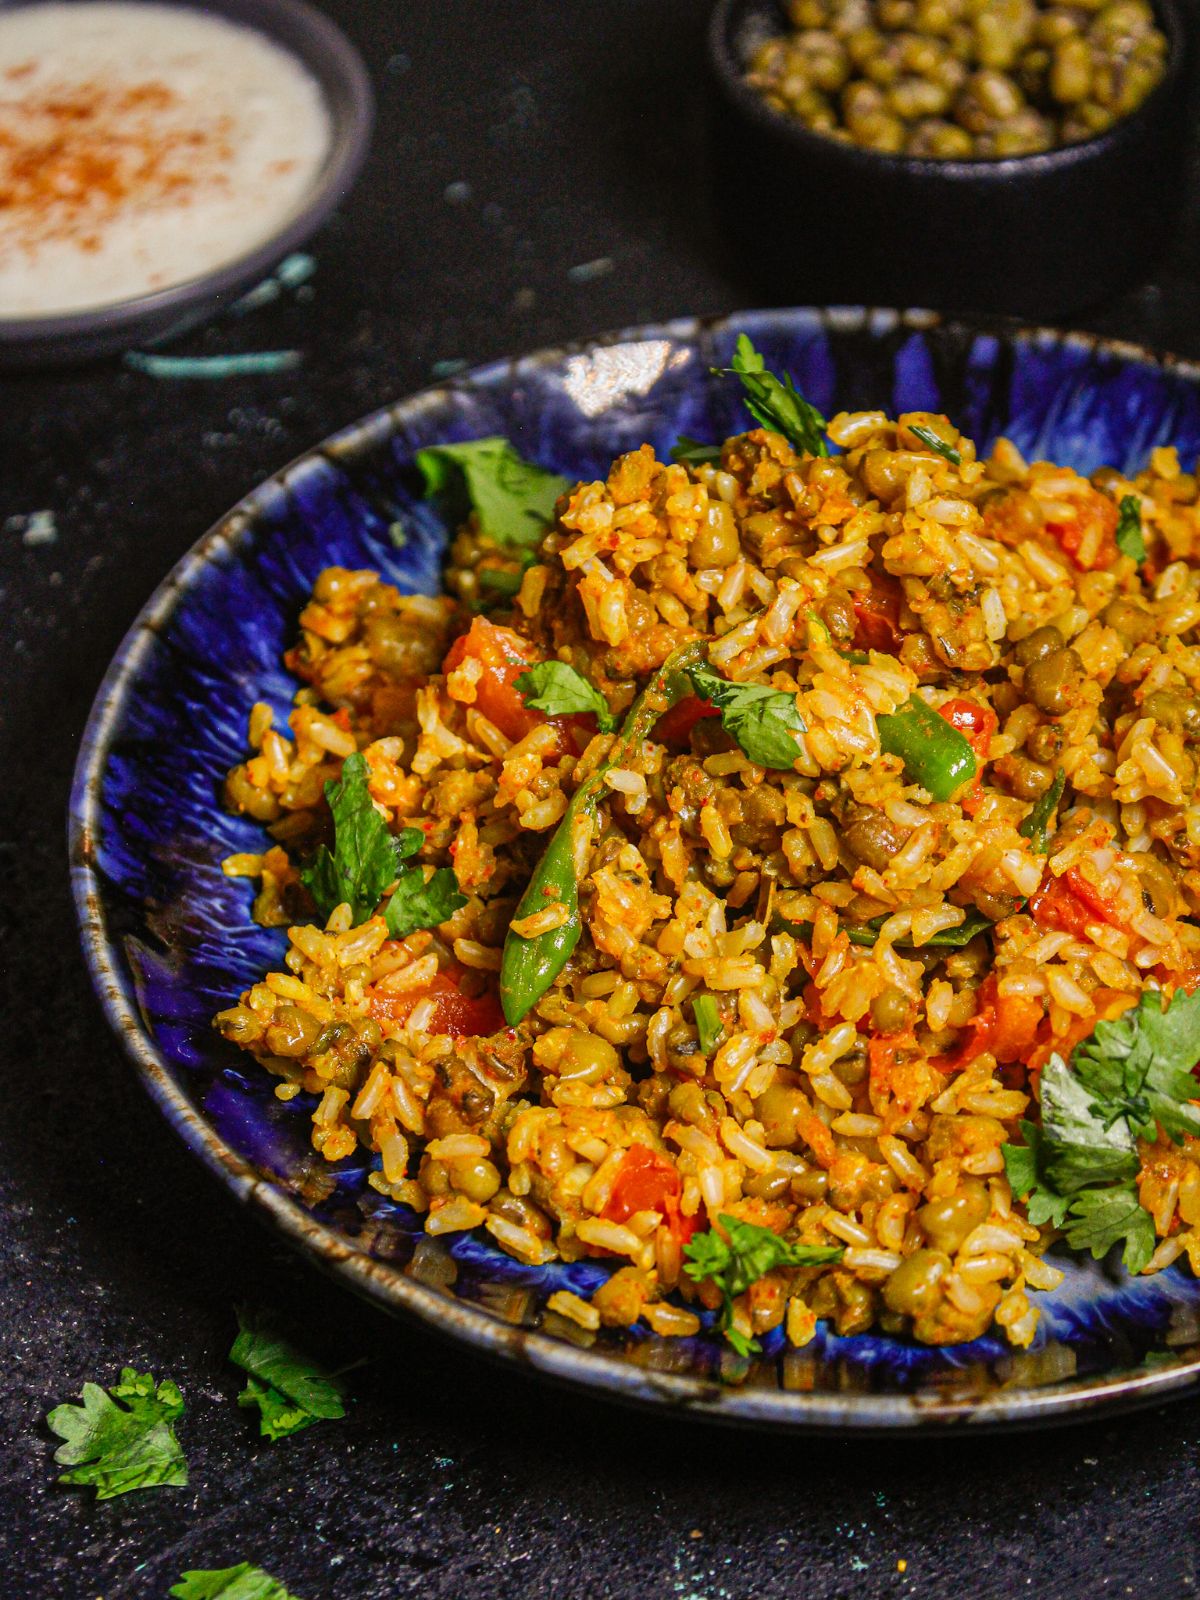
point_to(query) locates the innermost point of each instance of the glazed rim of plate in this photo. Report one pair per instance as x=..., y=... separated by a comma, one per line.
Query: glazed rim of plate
x=388, y=1286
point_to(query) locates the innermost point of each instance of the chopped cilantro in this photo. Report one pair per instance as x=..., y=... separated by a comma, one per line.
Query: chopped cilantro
x=1131, y=541
x=742, y=1258
x=1036, y=826
x=513, y=499
x=762, y=721
x=866, y=934
x=708, y=1022
x=776, y=403
x=122, y=1438
x=1132, y=1077
x=290, y=1391
x=418, y=902
x=366, y=859
x=243, y=1582
x=560, y=691
x=692, y=452
x=931, y=441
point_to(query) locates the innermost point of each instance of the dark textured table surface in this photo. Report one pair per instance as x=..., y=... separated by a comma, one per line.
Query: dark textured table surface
x=517, y=144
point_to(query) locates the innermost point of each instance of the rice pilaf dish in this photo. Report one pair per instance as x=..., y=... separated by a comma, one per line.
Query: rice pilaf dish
x=788, y=878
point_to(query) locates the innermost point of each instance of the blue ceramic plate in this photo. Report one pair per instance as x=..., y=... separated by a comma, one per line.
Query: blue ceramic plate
x=170, y=941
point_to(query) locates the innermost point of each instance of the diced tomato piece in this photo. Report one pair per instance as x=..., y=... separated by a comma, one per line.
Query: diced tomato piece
x=461, y=1015
x=1006, y=1025
x=977, y=724
x=1094, y=524
x=1069, y=903
x=505, y=656
x=877, y=617
x=646, y=1181
x=675, y=725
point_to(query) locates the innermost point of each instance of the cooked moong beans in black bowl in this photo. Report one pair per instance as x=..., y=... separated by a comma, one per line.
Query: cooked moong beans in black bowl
x=1003, y=156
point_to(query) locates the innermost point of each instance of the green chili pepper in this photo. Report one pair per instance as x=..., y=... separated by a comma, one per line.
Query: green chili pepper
x=1036, y=825
x=934, y=754
x=530, y=966
x=867, y=933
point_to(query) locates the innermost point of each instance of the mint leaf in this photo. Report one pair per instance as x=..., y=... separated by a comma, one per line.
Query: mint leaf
x=776, y=403
x=762, y=721
x=692, y=452
x=417, y=903
x=1036, y=825
x=746, y=1255
x=558, y=690
x=708, y=1022
x=1101, y=1218
x=365, y=857
x=122, y=1438
x=513, y=499
x=289, y=1390
x=243, y=1582
x=933, y=442
x=1131, y=541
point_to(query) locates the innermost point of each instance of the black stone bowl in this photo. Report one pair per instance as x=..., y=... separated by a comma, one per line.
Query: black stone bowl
x=336, y=66
x=816, y=220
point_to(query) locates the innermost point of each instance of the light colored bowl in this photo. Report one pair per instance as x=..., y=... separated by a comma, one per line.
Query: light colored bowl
x=328, y=55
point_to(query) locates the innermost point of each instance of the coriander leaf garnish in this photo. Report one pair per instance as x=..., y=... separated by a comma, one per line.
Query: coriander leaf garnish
x=290, y=1391
x=931, y=441
x=776, y=403
x=693, y=452
x=1036, y=826
x=1101, y=1218
x=365, y=858
x=708, y=1022
x=762, y=721
x=121, y=1438
x=1132, y=1077
x=243, y=1582
x=500, y=579
x=1139, y=1065
x=1131, y=541
x=746, y=1255
x=513, y=499
x=418, y=903
x=558, y=690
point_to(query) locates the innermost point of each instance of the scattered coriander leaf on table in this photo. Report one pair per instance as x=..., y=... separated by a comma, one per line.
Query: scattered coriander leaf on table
x=763, y=722
x=121, y=1438
x=776, y=403
x=735, y=1262
x=289, y=1390
x=513, y=499
x=1131, y=541
x=938, y=445
x=558, y=690
x=243, y=1582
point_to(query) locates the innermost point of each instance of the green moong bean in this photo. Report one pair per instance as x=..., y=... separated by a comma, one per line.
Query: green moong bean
x=529, y=966
x=934, y=754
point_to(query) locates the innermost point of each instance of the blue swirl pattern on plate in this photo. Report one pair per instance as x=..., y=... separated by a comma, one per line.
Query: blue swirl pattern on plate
x=170, y=941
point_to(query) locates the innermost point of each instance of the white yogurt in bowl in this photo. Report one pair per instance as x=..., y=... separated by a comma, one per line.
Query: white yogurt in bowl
x=143, y=146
